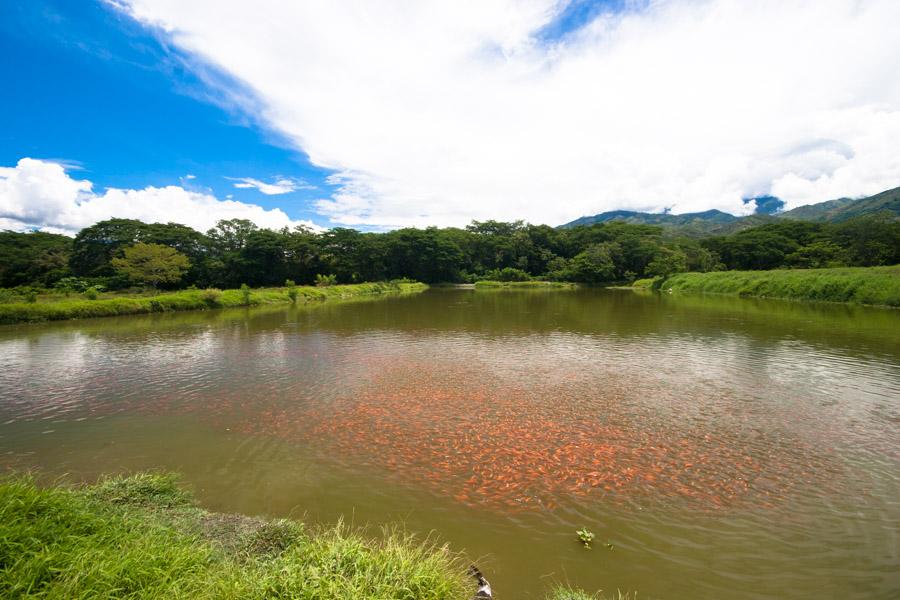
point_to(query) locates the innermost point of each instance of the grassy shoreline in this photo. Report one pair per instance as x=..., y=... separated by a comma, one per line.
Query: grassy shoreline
x=142, y=536
x=133, y=304
x=524, y=285
x=878, y=286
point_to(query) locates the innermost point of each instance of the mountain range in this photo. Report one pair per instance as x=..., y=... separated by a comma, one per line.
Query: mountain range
x=768, y=210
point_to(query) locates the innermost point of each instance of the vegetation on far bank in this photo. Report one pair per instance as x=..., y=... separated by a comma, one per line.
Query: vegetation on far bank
x=142, y=536
x=488, y=284
x=861, y=285
x=122, y=253
x=53, y=307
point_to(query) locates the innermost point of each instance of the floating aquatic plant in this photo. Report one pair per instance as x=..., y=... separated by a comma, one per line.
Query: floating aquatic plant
x=585, y=536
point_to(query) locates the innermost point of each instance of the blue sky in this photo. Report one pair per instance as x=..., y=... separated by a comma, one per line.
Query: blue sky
x=377, y=114
x=104, y=95
x=97, y=90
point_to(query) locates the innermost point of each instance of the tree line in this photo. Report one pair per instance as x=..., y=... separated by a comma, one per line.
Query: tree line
x=237, y=252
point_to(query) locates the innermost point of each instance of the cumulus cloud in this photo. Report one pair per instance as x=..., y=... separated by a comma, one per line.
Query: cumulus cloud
x=436, y=112
x=37, y=194
x=282, y=185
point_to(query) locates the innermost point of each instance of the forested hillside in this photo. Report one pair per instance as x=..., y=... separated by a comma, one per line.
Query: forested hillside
x=716, y=222
x=836, y=211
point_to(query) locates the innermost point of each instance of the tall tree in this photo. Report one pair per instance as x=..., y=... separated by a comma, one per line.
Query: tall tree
x=95, y=246
x=152, y=264
x=33, y=258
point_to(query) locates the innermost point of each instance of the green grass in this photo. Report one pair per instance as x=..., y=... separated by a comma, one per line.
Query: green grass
x=61, y=308
x=565, y=593
x=860, y=285
x=142, y=536
x=643, y=284
x=530, y=285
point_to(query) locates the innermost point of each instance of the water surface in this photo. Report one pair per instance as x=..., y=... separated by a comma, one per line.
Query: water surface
x=726, y=448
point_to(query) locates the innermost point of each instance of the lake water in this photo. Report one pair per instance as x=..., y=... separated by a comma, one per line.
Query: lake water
x=726, y=448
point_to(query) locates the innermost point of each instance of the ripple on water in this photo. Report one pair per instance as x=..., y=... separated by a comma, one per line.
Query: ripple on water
x=704, y=449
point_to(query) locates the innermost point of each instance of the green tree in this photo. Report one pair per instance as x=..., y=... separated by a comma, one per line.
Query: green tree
x=817, y=255
x=597, y=264
x=667, y=261
x=95, y=246
x=33, y=258
x=152, y=264
x=422, y=254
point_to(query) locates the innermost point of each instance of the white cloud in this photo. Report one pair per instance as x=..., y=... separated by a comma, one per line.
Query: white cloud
x=40, y=194
x=439, y=112
x=282, y=185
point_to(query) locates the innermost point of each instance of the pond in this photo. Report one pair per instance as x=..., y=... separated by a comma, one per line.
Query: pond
x=725, y=448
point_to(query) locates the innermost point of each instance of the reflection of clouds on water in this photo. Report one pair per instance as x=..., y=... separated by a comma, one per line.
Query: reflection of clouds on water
x=512, y=420
x=709, y=439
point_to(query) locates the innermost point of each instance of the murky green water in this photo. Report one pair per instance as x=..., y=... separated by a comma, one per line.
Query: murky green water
x=727, y=448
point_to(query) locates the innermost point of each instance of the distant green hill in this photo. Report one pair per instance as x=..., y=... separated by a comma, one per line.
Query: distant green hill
x=835, y=211
x=716, y=222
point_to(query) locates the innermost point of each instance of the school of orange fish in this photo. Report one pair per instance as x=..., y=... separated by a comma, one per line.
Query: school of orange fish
x=516, y=448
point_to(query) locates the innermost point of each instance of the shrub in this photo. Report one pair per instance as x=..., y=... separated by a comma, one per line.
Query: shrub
x=67, y=285
x=507, y=274
x=643, y=283
x=245, y=294
x=211, y=296
x=291, y=289
x=326, y=280
x=92, y=293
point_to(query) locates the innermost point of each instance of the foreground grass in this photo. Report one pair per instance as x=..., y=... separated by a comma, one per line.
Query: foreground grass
x=142, y=537
x=531, y=285
x=80, y=308
x=861, y=285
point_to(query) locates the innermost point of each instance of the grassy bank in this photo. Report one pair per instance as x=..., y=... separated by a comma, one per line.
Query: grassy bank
x=526, y=285
x=143, y=537
x=56, y=309
x=861, y=285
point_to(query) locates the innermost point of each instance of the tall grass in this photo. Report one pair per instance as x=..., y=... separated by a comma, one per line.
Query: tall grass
x=564, y=593
x=113, y=305
x=861, y=285
x=142, y=536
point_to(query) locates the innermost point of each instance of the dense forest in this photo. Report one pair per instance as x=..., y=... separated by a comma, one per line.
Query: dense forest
x=237, y=252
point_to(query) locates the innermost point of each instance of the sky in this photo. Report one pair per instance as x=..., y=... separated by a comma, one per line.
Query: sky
x=377, y=115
